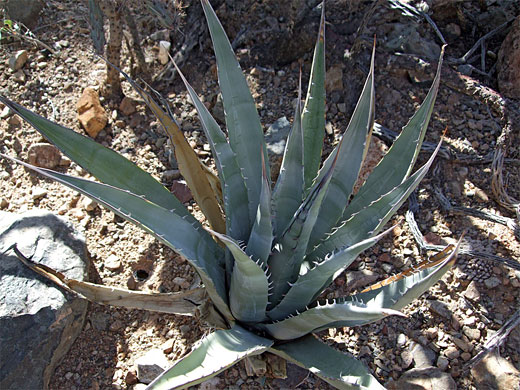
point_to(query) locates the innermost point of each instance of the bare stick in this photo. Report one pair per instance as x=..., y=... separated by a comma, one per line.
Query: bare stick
x=419, y=238
x=496, y=340
x=477, y=44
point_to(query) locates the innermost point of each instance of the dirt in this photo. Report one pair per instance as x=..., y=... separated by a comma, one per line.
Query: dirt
x=112, y=339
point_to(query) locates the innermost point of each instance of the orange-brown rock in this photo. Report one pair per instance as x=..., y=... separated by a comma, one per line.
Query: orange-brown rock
x=44, y=155
x=128, y=106
x=91, y=114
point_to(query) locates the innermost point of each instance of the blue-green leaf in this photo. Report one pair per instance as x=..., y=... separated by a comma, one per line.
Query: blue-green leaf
x=238, y=221
x=324, y=315
x=340, y=369
x=215, y=353
x=289, y=253
x=242, y=120
x=313, y=117
x=186, y=238
x=351, y=152
x=288, y=191
x=261, y=238
x=399, y=290
x=397, y=164
x=249, y=284
x=372, y=218
x=316, y=279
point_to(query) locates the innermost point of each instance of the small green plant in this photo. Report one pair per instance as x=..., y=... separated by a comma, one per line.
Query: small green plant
x=281, y=246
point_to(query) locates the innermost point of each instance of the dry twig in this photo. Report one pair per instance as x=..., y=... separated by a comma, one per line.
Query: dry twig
x=496, y=340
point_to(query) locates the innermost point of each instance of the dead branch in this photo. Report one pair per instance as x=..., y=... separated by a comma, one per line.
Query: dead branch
x=495, y=341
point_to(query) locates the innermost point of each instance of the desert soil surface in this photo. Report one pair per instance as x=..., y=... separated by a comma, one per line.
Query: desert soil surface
x=451, y=322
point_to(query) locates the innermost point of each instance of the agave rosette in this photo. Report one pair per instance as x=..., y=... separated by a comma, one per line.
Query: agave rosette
x=282, y=245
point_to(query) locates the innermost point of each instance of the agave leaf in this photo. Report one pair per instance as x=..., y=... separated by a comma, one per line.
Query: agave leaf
x=186, y=238
x=95, y=158
x=397, y=164
x=249, y=285
x=238, y=221
x=349, y=313
x=351, y=152
x=261, y=238
x=340, y=369
x=192, y=169
x=369, y=220
x=315, y=280
x=399, y=290
x=288, y=191
x=214, y=354
x=242, y=120
x=183, y=303
x=313, y=117
x=289, y=253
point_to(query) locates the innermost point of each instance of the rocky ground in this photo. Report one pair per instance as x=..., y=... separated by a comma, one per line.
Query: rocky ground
x=444, y=329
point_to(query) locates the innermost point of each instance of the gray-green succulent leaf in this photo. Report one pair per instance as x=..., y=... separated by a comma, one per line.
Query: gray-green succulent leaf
x=238, y=220
x=261, y=238
x=340, y=369
x=242, y=120
x=312, y=283
x=324, y=314
x=369, y=220
x=313, y=116
x=285, y=263
x=249, y=286
x=397, y=163
x=288, y=191
x=351, y=152
x=401, y=290
x=215, y=353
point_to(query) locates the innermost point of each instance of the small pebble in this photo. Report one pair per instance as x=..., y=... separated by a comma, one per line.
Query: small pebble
x=472, y=333
x=451, y=353
x=89, y=204
x=38, y=192
x=465, y=356
x=442, y=363
x=492, y=282
x=112, y=263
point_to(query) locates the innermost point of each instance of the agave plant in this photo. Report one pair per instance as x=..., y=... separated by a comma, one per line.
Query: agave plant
x=281, y=245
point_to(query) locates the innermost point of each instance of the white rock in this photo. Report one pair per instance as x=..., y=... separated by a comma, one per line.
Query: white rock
x=112, y=263
x=401, y=339
x=164, y=50
x=89, y=204
x=18, y=60
x=38, y=192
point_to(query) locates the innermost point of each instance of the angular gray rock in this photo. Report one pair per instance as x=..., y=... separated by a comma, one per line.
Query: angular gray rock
x=38, y=321
x=422, y=356
x=151, y=365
